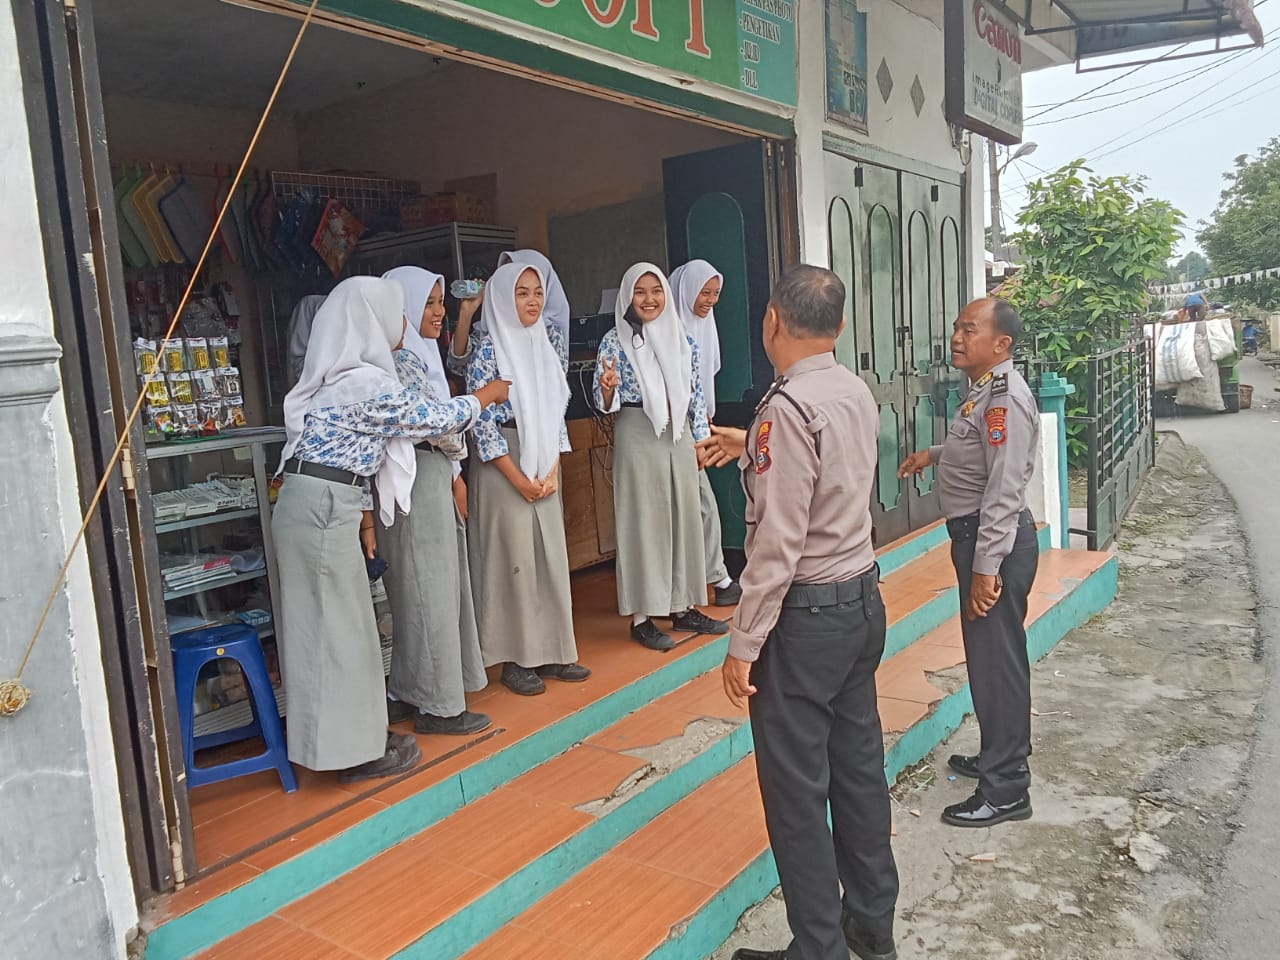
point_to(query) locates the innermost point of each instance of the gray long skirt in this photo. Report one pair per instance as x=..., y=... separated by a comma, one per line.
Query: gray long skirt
x=329, y=650
x=712, y=547
x=661, y=567
x=519, y=570
x=435, y=656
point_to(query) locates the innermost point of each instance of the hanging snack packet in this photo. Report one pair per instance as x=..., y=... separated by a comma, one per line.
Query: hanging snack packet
x=180, y=388
x=210, y=415
x=206, y=384
x=157, y=390
x=186, y=417
x=197, y=353
x=160, y=417
x=175, y=360
x=229, y=381
x=145, y=359
x=219, y=352
x=233, y=411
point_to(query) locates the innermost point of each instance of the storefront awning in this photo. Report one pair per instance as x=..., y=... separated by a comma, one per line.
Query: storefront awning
x=1105, y=28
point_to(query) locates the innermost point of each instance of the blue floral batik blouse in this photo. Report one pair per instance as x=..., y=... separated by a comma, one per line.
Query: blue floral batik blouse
x=629, y=385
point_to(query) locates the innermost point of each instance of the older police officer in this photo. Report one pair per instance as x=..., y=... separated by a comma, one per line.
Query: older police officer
x=983, y=471
x=810, y=630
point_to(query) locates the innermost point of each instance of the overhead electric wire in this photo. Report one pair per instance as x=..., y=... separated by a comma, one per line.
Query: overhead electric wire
x=1100, y=86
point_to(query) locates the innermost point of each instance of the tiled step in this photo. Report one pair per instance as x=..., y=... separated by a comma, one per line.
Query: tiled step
x=675, y=889
x=444, y=890
x=343, y=828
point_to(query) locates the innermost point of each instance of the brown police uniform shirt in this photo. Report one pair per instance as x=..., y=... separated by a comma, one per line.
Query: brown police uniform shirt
x=807, y=472
x=987, y=460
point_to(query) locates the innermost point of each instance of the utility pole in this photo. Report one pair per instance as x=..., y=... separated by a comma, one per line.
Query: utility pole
x=993, y=162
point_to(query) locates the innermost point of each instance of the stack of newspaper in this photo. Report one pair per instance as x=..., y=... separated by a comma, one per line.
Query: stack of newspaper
x=182, y=571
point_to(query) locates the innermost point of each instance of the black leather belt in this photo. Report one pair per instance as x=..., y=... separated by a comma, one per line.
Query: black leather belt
x=509, y=425
x=634, y=406
x=321, y=472
x=962, y=528
x=831, y=594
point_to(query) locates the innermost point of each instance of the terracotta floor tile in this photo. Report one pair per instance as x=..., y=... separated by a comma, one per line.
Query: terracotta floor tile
x=644, y=728
x=897, y=716
x=617, y=908
x=513, y=942
x=303, y=840
x=704, y=697
x=206, y=888
x=579, y=776
x=375, y=912
x=499, y=834
x=428, y=775
x=218, y=799
x=277, y=940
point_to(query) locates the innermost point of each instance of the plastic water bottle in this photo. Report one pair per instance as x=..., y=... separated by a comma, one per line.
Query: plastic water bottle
x=466, y=289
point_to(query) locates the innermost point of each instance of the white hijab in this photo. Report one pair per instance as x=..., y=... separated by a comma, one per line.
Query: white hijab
x=299, y=333
x=687, y=282
x=556, y=309
x=526, y=357
x=349, y=361
x=662, y=360
x=418, y=285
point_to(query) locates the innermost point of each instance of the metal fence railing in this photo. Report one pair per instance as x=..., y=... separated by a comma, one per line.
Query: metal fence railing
x=1110, y=426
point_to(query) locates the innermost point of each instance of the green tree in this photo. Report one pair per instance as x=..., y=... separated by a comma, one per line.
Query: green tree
x=1090, y=246
x=1243, y=234
x=1192, y=267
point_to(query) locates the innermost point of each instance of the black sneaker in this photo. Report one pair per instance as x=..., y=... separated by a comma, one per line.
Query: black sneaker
x=978, y=812
x=402, y=754
x=464, y=724
x=565, y=672
x=964, y=765
x=648, y=635
x=728, y=596
x=865, y=944
x=694, y=620
x=522, y=680
x=745, y=954
x=398, y=711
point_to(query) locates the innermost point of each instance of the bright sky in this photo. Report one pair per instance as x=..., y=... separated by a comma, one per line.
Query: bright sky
x=1181, y=123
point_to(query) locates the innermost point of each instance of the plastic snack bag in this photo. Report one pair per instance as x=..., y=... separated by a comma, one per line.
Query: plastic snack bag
x=180, y=388
x=157, y=390
x=206, y=384
x=197, y=353
x=146, y=360
x=233, y=412
x=175, y=360
x=229, y=382
x=219, y=352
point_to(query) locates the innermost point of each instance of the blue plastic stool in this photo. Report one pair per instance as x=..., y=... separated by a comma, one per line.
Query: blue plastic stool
x=191, y=651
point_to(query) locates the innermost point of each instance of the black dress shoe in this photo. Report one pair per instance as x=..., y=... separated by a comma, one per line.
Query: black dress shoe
x=463, y=725
x=522, y=680
x=648, y=635
x=402, y=754
x=978, y=812
x=728, y=596
x=565, y=672
x=745, y=954
x=964, y=765
x=694, y=620
x=865, y=944
x=398, y=711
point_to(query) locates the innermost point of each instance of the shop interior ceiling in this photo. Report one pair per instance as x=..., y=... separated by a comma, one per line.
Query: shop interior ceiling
x=216, y=54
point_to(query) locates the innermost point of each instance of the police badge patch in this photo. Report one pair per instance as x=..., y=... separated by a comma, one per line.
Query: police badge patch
x=996, y=425
x=763, y=460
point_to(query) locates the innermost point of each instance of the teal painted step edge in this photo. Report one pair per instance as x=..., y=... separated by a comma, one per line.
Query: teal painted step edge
x=483, y=917
x=711, y=926
x=187, y=935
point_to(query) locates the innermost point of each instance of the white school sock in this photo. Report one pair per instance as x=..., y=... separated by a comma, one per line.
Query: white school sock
x=723, y=584
x=637, y=619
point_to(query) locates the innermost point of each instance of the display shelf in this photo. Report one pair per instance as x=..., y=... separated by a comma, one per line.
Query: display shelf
x=214, y=584
x=242, y=437
x=190, y=523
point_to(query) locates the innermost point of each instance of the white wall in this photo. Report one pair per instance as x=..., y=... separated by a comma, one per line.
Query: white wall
x=55, y=882
x=1044, y=494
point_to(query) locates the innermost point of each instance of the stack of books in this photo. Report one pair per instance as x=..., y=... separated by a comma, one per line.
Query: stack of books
x=182, y=571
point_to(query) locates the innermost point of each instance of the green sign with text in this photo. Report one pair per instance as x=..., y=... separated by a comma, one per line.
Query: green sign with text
x=746, y=45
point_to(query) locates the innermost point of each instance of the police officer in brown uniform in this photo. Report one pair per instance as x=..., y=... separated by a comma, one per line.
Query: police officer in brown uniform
x=983, y=471
x=810, y=630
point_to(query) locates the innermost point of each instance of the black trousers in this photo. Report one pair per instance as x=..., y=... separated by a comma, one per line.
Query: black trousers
x=818, y=743
x=995, y=647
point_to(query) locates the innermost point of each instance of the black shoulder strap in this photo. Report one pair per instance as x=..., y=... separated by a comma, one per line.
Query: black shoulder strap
x=808, y=421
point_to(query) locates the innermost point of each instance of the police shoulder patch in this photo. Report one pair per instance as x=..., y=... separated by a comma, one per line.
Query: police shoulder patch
x=997, y=430
x=763, y=458
x=1000, y=385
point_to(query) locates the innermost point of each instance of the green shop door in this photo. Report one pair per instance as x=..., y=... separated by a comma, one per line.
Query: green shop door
x=722, y=206
x=898, y=252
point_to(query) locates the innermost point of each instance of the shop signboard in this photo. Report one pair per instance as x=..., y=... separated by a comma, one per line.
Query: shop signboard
x=745, y=45
x=847, y=64
x=984, y=69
